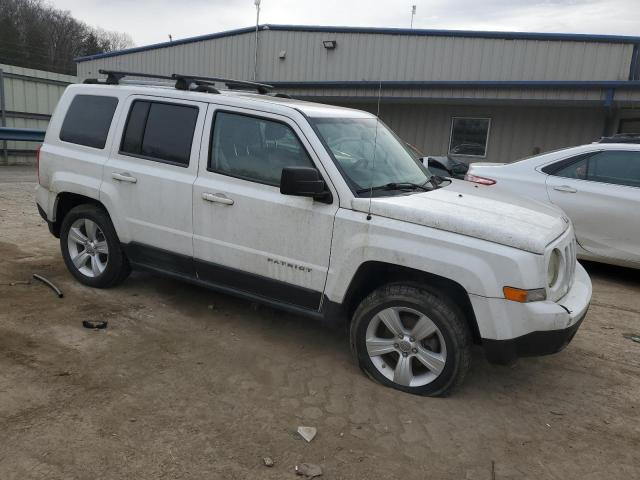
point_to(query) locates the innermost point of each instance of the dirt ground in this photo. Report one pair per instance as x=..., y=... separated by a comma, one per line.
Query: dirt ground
x=189, y=384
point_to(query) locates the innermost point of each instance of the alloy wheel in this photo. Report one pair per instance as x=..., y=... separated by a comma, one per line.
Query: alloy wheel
x=406, y=346
x=88, y=248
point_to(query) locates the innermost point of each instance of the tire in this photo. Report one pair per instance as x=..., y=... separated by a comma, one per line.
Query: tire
x=442, y=341
x=97, y=250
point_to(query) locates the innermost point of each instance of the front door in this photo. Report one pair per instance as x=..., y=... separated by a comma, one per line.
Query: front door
x=247, y=235
x=149, y=180
x=601, y=194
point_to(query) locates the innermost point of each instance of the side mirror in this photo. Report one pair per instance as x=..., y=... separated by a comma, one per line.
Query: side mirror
x=304, y=182
x=460, y=168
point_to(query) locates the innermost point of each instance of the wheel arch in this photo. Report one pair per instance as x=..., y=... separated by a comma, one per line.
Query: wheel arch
x=373, y=274
x=64, y=202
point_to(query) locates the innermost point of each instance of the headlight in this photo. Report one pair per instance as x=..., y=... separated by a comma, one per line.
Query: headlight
x=553, y=269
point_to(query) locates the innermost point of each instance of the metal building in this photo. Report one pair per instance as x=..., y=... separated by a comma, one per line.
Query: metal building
x=27, y=100
x=490, y=96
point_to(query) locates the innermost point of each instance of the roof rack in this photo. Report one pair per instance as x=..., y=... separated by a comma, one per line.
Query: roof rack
x=184, y=82
x=621, y=138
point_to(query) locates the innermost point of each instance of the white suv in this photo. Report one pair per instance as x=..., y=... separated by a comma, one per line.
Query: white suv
x=310, y=208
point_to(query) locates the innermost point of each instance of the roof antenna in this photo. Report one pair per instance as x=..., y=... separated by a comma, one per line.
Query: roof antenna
x=375, y=148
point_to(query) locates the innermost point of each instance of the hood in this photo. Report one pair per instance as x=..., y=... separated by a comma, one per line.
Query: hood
x=476, y=211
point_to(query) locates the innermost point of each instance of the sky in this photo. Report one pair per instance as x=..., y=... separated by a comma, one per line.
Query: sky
x=151, y=21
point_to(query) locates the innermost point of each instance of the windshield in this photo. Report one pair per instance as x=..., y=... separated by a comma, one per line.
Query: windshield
x=368, y=160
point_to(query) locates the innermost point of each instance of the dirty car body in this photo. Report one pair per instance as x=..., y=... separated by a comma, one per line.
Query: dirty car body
x=314, y=209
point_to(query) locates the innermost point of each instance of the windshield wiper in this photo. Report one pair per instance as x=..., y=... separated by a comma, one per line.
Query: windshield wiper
x=396, y=186
x=436, y=180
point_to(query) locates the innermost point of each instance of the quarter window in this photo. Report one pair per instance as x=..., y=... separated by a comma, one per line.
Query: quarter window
x=469, y=136
x=254, y=149
x=576, y=169
x=88, y=120
x=160, y=131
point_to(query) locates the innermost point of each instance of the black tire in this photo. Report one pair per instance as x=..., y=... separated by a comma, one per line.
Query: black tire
x=117, y=267
x=440, y=310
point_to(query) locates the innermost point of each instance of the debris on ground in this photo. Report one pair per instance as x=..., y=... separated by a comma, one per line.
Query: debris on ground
x=555, y=412
x=309, y=470
x=268, y=461
x=49, y=284
x=634, y=337
x=20, y=282
x=308, y=433
x=95, y=324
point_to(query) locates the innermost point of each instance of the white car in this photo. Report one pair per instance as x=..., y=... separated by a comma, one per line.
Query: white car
x=597, y=185
x=314, y=209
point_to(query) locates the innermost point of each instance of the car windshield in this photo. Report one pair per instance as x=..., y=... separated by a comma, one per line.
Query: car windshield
x=372, y=160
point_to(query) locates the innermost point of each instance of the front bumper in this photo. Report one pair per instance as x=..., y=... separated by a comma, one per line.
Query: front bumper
x=510, y=330
x=532, y=344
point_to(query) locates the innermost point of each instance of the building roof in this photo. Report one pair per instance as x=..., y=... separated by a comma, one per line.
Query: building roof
x=567, y=37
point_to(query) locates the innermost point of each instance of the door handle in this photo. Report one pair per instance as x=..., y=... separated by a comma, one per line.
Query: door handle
x=217, y=198
x=123, y=177
x=565, y=188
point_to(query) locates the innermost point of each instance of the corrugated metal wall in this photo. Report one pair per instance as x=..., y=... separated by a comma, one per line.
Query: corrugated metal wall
x=366, y=56
x=30, y=97
x=227, y=57
x=400, y=57
x=515, y=131
x=522, y=118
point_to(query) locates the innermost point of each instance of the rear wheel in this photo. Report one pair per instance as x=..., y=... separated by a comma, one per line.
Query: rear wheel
x=412, y=338
x=91, y=249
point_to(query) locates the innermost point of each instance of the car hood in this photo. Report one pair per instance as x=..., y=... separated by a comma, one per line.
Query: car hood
x=476, y=211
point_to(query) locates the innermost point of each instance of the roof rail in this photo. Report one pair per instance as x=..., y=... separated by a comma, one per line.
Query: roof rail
x=621, y=138
x=184, y=82
x=231, y=83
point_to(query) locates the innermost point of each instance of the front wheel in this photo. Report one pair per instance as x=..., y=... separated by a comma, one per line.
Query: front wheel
x=412, y=338
x=91, y=249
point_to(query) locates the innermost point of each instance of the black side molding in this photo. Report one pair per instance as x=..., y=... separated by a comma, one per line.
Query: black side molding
x=229, y=280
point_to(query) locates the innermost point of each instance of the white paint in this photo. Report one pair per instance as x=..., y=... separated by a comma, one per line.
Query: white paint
x=477, y=212
x=475, y=236
x=606, y=217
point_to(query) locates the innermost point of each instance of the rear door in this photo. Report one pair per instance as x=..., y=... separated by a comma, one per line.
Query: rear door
x=149, y=177
x=247, y=235
x=600, y=191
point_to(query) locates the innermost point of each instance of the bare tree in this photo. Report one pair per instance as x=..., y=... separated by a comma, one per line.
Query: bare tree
x=35, y=34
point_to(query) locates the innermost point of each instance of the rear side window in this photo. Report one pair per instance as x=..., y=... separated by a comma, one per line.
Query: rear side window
x=88, y=120
x=616, y=167
x=160, y=131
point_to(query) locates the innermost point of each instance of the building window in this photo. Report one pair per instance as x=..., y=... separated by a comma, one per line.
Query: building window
x=629, y=125
x=469, y=136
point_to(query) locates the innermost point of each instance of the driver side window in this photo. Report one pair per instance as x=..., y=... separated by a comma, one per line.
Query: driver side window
x=253, y=148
